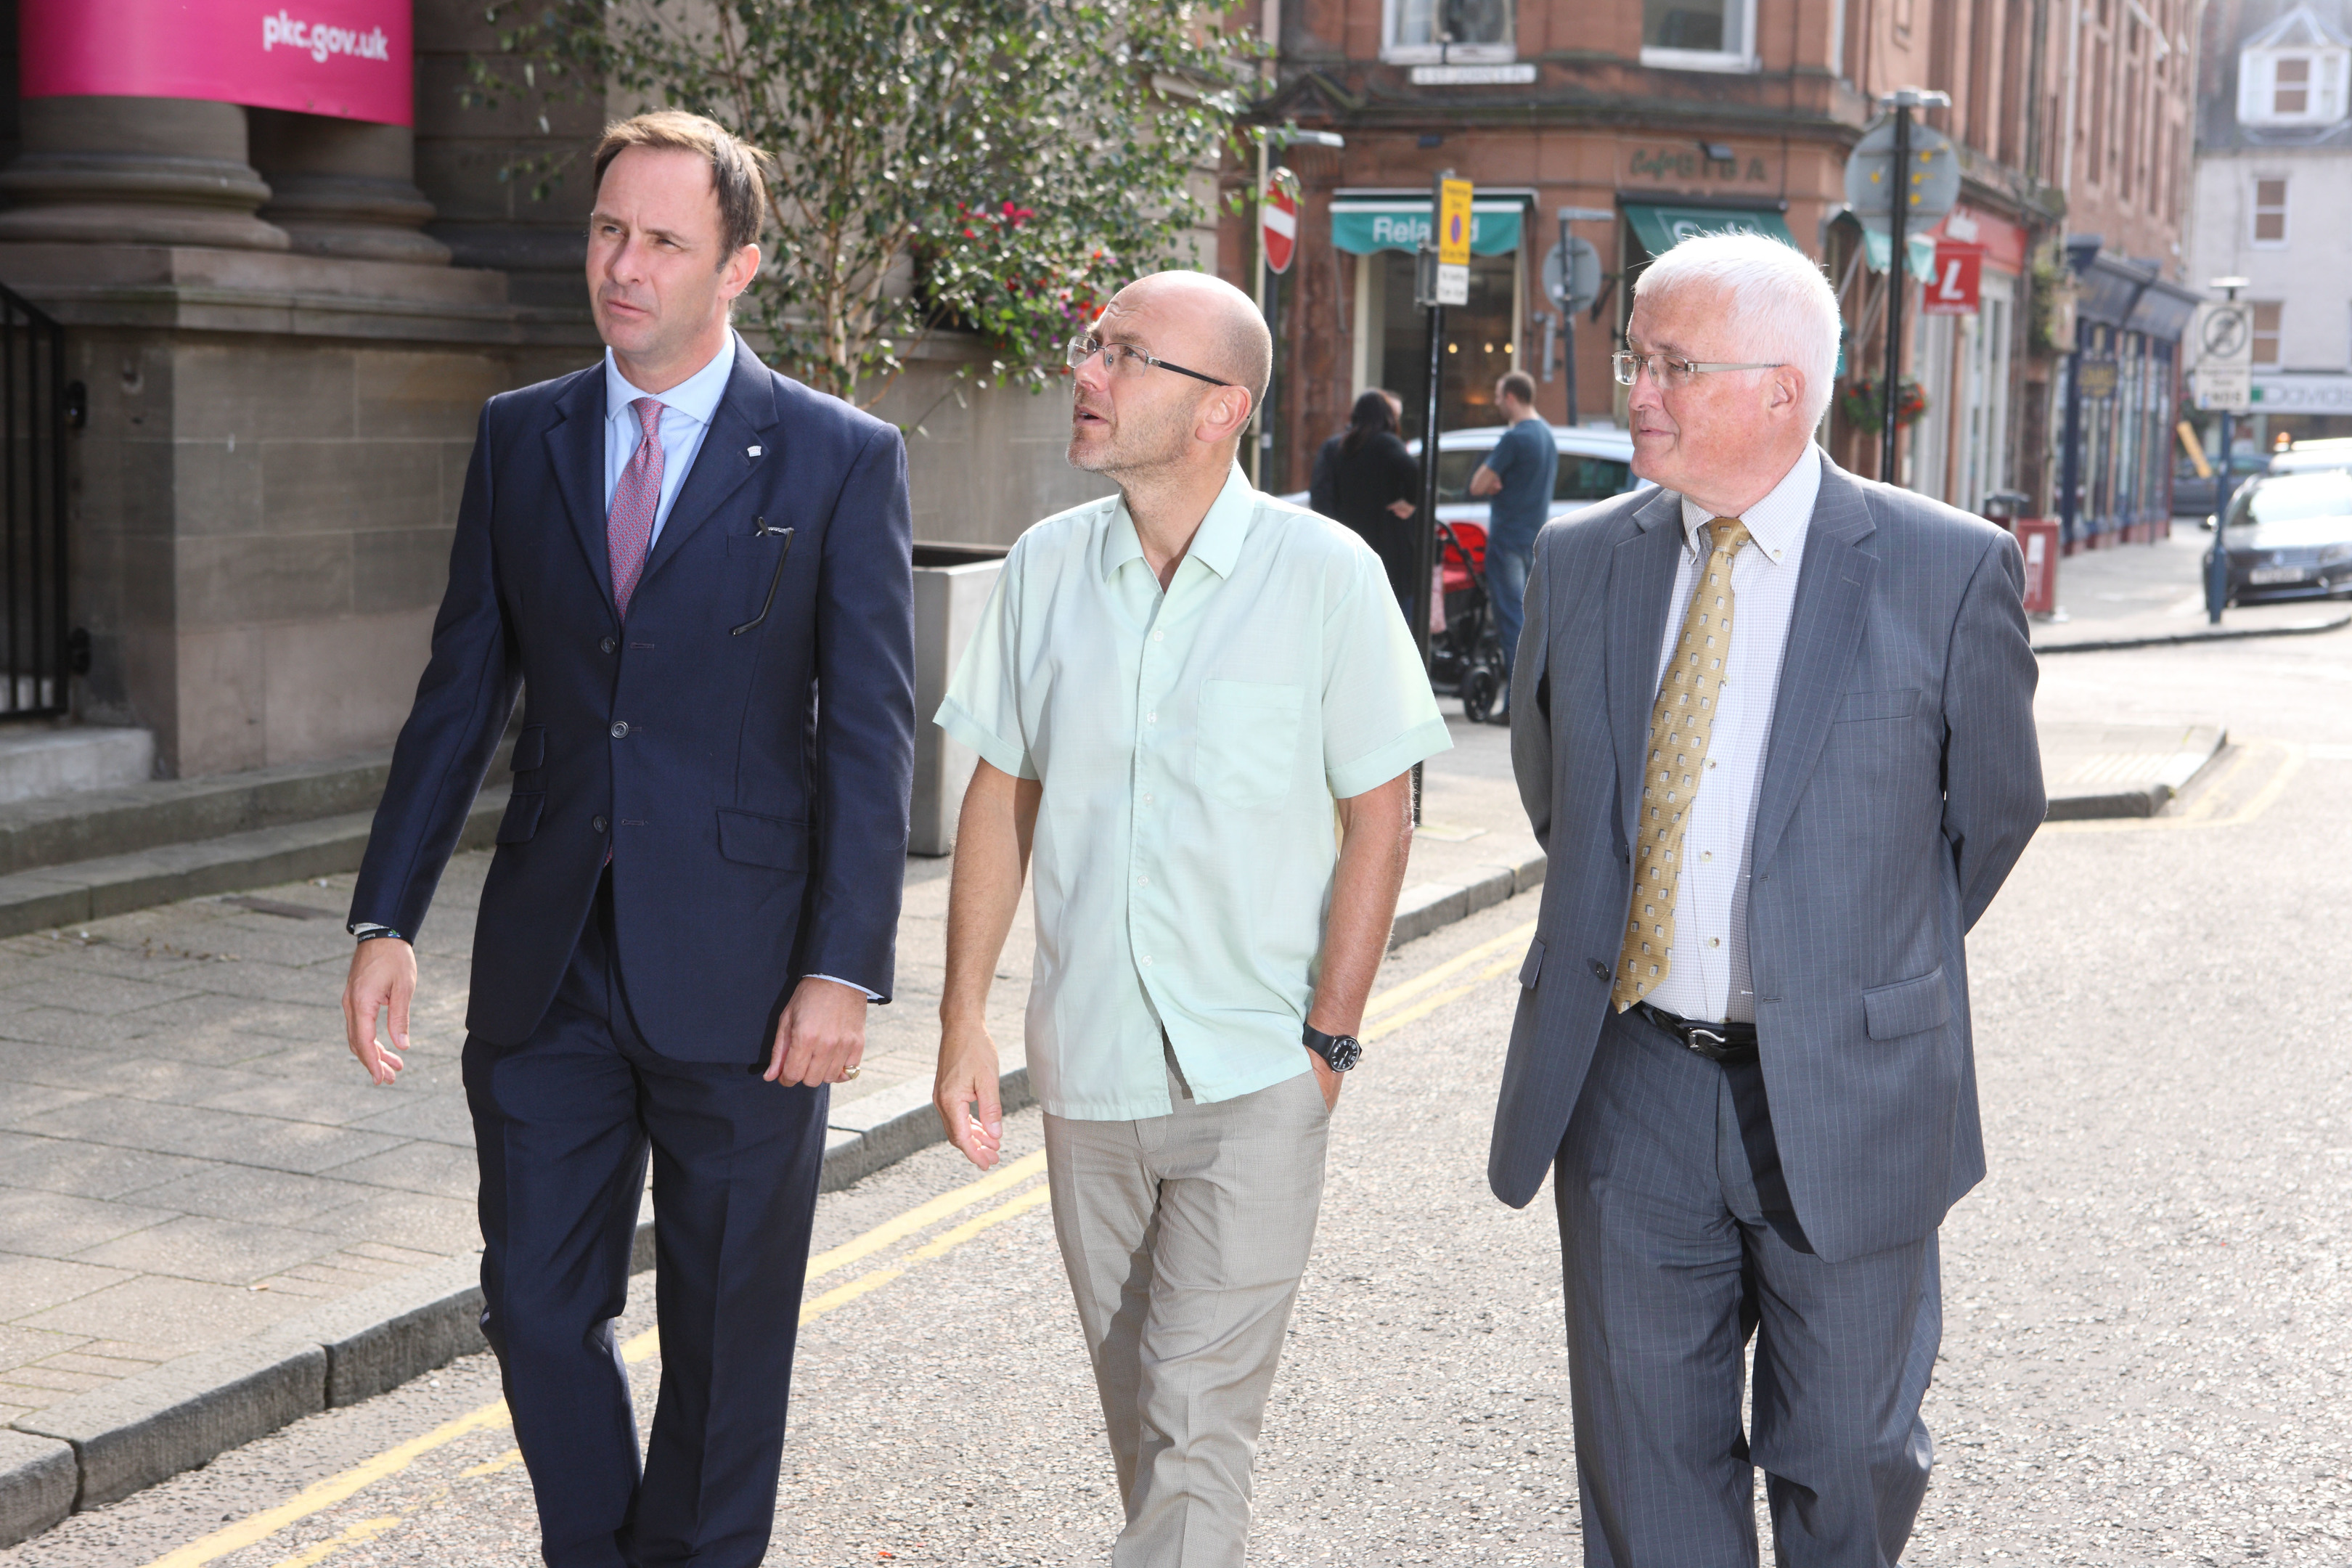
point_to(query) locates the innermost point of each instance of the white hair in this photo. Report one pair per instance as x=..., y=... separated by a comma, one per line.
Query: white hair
x=1780, y=306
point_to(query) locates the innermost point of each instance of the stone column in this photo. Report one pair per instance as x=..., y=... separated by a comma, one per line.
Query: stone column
x=135, y=171
x=344, y=187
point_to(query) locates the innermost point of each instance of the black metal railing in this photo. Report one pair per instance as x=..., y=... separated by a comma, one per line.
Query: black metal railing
x=34, y=656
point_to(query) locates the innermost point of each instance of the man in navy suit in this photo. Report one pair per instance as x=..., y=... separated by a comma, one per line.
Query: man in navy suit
x=695, y=897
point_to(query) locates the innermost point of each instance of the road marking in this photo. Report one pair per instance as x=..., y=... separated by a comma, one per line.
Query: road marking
x=325, y=1494
x=364, y=1531
x=1396, y=995
x=2206, y=810
x=924, y=1215
x=1423, y=1009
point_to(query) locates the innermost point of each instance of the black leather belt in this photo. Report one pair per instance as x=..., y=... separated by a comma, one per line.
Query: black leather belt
x=1715, y=1042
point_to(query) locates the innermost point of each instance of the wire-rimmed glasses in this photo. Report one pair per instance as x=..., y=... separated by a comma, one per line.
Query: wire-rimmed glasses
x=1671, y=374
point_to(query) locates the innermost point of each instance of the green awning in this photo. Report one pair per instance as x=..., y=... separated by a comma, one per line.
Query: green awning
x=1661, y=228
x=1364, y=224
x=1876, y=244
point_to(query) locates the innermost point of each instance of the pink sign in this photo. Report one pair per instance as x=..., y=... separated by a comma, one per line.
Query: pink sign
x=354, y=59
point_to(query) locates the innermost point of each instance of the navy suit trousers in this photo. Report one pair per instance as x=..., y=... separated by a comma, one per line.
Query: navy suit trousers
x=564, y=1123
x=1679, y=1243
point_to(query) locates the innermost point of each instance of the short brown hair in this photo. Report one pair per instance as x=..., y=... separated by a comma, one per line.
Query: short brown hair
x=1521, y=385
x=734, y=168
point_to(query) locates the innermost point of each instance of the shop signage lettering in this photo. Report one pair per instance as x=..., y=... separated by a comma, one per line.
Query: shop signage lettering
x=354, y=59
x=1405, y=232
x=1683, y=163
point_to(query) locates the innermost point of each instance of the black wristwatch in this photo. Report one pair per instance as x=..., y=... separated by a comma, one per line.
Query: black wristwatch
x=1340, y=1052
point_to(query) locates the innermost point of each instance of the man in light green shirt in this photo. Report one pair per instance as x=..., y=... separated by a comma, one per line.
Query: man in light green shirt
x=1200, y=709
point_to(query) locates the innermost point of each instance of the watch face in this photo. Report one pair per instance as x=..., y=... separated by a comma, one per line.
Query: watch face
x=1346, y=1052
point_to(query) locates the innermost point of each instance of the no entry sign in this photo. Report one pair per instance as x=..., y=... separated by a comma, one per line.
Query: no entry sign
x=1277, y=211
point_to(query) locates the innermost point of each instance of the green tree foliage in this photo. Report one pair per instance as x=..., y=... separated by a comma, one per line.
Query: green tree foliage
x=995, y=166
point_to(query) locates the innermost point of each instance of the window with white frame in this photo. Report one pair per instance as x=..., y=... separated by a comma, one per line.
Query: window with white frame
x=2266, y=331
x=1438, y=31
x=2270, y=212
x=2289, y=85
x=1699, y=35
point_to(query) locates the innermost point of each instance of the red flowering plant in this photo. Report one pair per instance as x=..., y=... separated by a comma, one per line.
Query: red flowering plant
x=996, y=167
x=1863, y=403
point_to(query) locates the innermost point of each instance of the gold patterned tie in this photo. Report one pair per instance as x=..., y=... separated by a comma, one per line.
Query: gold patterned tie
x=1680, y=725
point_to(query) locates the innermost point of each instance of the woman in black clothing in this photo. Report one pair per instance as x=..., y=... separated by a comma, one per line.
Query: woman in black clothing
x=1365, y=478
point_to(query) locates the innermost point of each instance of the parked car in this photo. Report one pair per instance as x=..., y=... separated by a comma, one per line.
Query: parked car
x=1595, y=463
x=2290, y=537
x=2193, y=496
x=2306, y=457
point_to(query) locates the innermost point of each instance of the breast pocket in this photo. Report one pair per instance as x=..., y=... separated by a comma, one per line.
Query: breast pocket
x=1248, y=741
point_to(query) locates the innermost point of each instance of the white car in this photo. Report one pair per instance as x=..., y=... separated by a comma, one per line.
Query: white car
x=1595, y=463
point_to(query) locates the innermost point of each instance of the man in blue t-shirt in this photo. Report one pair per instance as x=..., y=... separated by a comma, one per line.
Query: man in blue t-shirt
x=1518, y=474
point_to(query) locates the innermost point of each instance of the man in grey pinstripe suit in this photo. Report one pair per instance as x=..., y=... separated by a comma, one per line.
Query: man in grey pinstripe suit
x=1774, y=728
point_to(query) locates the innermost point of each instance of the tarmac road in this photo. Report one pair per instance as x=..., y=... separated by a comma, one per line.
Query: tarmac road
x=2148, y=1353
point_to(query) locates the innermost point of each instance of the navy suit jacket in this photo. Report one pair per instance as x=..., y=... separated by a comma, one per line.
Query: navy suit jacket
x=1901, y=782
x=758, y=834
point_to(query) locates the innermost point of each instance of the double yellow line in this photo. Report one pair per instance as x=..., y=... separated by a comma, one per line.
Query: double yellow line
x=1388, y=1011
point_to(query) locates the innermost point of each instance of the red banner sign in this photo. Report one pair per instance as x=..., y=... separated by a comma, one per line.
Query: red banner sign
x=354, y=59
x=1959, y=272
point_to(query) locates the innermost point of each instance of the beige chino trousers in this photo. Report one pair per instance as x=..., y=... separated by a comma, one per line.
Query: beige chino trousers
x=1185, y=1235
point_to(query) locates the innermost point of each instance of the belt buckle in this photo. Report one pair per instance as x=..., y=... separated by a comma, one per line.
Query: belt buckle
x=1712, y=1051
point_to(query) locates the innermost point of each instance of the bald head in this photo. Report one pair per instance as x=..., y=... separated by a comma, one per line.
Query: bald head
x=1201, y=321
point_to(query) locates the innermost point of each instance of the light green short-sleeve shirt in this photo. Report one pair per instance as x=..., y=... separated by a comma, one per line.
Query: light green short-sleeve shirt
x=1191, y=746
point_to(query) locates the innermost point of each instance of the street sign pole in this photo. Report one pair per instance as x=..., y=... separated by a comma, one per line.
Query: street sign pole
x=1896, y=286
x=2238, y=338
x=1443, y=273
x=1568, y=320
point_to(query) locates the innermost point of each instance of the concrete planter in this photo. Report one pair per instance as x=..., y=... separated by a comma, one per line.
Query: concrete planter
x=953, y=582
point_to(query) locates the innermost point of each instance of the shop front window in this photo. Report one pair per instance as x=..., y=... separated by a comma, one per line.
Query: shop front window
x=1429, y=31
x=1477, y=349
x=1698, y=35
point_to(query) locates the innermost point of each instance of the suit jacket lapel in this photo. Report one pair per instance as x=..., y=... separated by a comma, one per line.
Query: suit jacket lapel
x=575, y=448
x=1824, y=628
x=745, y=417
x=1640, y=582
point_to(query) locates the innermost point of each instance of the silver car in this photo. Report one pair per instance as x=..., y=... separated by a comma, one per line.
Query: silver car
x=2290, y=537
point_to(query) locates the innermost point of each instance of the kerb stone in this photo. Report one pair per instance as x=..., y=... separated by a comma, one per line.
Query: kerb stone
x=38, y=1482
x=379, y=1338
x=152, y=1426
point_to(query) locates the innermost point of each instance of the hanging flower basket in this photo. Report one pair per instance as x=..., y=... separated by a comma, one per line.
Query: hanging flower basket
x=1863, y=403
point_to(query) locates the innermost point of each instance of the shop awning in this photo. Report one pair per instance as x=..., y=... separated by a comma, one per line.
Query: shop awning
x=1661, y=228
x=1365, y=224
x=1877, y=244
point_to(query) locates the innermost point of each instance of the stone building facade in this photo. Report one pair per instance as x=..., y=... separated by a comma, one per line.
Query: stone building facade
x=284, y=326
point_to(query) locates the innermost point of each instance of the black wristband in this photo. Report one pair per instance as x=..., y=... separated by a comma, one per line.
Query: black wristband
x=372, y=932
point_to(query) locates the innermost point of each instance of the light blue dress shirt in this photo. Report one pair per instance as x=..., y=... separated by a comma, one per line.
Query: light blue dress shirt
x=1192, y=744
x=687, y=412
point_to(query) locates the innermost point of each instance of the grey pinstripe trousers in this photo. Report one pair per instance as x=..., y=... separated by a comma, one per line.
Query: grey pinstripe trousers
x=1677, y=1243
x=1185, y=1236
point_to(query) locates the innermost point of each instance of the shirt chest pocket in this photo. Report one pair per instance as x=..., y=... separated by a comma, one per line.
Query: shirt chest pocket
x=1248, y=741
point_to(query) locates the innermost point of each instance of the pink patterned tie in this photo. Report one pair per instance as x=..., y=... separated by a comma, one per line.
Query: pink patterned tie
x=629, y=526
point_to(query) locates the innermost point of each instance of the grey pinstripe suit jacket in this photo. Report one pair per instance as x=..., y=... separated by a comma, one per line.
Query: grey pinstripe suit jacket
x=1901, y=782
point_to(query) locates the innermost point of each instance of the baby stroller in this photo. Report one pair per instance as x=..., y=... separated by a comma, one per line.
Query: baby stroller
x=1466, y=653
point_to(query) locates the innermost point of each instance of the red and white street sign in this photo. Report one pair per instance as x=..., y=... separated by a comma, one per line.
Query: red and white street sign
x=1277, y=211
x=1959, y=269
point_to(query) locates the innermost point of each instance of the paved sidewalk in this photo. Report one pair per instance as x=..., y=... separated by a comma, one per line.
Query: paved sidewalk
x=2136, y=591
x=189, y=1156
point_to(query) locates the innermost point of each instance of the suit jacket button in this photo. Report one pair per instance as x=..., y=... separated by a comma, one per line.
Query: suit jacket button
x=597, y=823
x=1599, y=970
x=605, y=647
x=620, y=729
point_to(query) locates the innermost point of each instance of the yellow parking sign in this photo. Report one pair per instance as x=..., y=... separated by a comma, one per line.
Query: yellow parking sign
x=1453, y=224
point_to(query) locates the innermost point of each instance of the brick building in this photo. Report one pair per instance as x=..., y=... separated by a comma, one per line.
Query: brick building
x=1678, y=115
